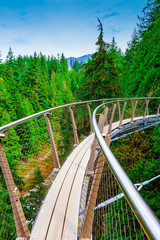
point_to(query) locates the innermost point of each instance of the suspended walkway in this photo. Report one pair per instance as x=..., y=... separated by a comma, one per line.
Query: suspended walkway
x=91, y=197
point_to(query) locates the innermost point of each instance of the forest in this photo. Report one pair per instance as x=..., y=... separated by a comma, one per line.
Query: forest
x=30, y=84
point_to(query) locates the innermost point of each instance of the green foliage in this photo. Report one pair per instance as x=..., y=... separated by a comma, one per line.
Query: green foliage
x=31, y=203
x=29, y=85
x=75, y=65
x=7, y=225
x=141, y=72
x=35, y=83
x=139, y=156
x=101, y=73
x=37, y=178
x=156, y=139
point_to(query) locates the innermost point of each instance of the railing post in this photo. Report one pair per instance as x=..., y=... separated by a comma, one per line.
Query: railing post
x=134, y=109
x=146, y=109
x=111, y=120
x=90, y=166
x=54, y=150
x=76, y=141
x=19, y=218
x=105, y=117
x=90, y=118
x=158, y=109
x=89, y=214
x=121, y=114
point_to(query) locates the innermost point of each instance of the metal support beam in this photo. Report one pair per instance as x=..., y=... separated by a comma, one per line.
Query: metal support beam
x=133, y=130
x=54, y=150
x=76, y=140
x=138, y=125
x=20, y=220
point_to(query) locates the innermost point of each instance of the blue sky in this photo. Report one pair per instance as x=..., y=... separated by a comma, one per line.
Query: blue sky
x=68, y=26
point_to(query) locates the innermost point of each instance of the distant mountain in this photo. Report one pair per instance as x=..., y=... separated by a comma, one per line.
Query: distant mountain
x=79, y=59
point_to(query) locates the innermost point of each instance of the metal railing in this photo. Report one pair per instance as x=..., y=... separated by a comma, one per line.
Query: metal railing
x=39, y=129
x=30, y=139
x=142, y=211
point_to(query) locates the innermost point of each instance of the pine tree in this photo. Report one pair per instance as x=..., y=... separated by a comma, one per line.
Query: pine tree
x=63, y=64
x=75, y=65
x=141, y=70
x=100, y=73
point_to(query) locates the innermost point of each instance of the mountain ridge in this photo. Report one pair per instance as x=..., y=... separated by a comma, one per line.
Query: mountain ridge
x=80, y=59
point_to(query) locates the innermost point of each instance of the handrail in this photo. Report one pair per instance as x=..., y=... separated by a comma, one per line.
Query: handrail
x=22, y=120
x=147, y=219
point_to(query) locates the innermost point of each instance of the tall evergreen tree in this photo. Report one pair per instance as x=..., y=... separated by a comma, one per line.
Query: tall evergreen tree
x=100, y=73
x=141, y=72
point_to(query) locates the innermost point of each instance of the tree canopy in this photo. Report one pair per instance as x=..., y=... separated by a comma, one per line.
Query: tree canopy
x=101, y=73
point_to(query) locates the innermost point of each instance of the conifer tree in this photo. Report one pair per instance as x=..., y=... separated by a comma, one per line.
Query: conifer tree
x=141, y=70
x=100, y=73
x=63, y=64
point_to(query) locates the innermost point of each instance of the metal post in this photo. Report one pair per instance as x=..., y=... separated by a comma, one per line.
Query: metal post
x=19, y=218
x=54, y=150
x=146, y=109
x=134, y=109
x=111, y=120
x=89, y=215
x=74, y=126
x=90, y=118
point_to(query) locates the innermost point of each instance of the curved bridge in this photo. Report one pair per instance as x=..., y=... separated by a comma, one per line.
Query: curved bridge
x=86, y=199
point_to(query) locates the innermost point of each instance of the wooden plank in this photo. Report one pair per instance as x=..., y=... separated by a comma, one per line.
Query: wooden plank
x=70, y=230
x=41, y=224
x=56, y=225
x=89, y=215
x=56, y=199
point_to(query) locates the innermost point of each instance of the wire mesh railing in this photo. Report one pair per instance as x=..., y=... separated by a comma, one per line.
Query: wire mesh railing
x=36, y=147
x=113, y=209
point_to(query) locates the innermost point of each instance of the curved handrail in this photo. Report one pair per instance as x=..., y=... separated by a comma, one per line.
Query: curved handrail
x=144, y=214
x=15, y=123
x=22, y=120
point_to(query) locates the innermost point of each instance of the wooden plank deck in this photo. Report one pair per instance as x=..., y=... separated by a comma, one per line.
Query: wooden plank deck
x=64, y=193
x=58, y=216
